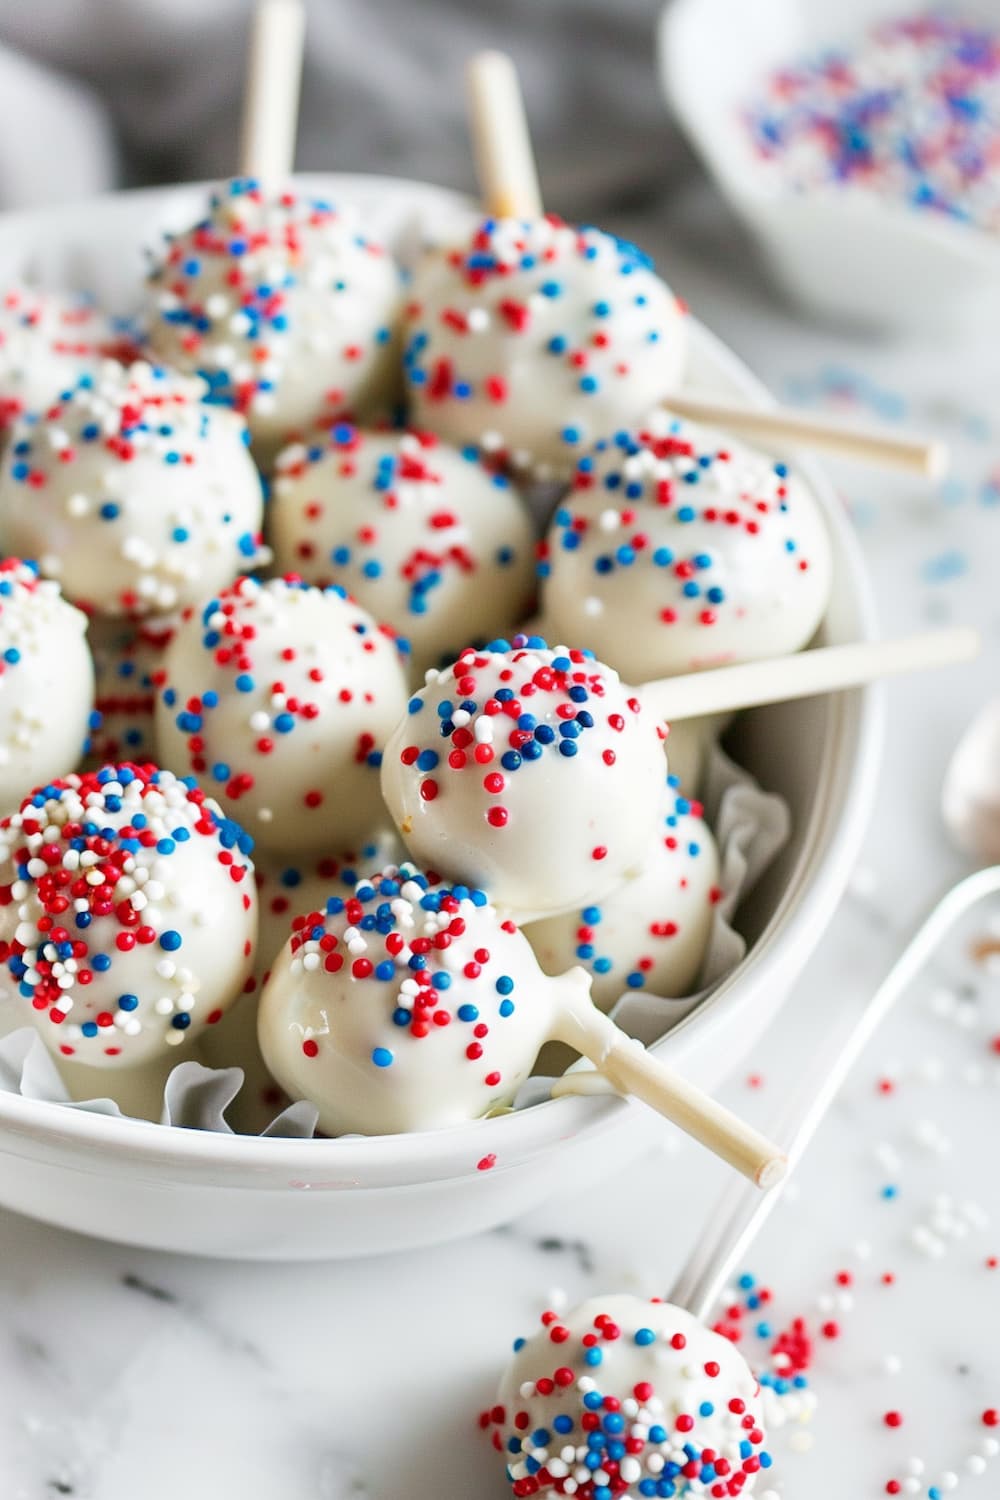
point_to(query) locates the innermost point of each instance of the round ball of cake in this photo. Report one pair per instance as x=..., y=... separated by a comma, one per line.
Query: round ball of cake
x=46, y=682
x=48, y=340
x=128, y=659
x=628, y=1398
x=128, y=914
x=280, y=697
x=406, y=1005
x=677, y=549
x=284, y=305
x=136, y=496
x=533, y=339
x=651, y=932
x=531, y=772
x=422, y=535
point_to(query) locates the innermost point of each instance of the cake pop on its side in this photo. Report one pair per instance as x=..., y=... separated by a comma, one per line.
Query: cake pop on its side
x=128, y=914
x=281, y=696
x=407, y=1005
x=529, y=771
x=624, y=1398
x=678, y=548
x=533, y=339
x=424, y=536
x=651, y=932
x=132, y=492
x=285, y=307
x=46, y=682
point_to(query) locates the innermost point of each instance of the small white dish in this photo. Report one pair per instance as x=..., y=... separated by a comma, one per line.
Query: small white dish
x=842, y=252
x=241, y=1196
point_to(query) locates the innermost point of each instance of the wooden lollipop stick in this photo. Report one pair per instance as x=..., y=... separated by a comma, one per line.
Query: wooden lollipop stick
x=874, y=445
x=626, y=1064
x=828, y=669
x=508, y=188
x=505, y=162
x=271, y=100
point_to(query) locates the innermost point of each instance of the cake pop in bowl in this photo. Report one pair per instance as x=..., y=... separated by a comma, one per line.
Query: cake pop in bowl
x=280, y=697
x=128, y=916
x=530, y=771
x=136, y=496
x=46, y=681
x=623, y=1398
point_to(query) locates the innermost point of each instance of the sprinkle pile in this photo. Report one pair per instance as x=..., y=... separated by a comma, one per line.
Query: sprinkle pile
x=533, y=338
x=911, y=113
x=114, y=888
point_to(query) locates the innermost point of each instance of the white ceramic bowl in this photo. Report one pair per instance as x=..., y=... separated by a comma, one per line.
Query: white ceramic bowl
x=273, y=1199
x=843, y=252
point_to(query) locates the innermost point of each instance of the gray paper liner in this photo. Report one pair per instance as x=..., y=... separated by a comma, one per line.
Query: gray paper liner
x=750, y=826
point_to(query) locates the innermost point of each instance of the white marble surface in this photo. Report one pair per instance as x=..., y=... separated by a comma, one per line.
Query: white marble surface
x=133, y=1376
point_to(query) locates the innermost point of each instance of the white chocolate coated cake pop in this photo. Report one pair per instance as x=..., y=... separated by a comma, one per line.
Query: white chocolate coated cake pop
x=280, y=697
x=284, y=305
x=407, y=1005
x=422, y=535
x=531, y=772
x=46, y=682
x=132, y=492
x=624, y=1398
x=48, y=340
x=128, y=658
x=677, y=548
x=128, y=914
x=533, y=339
x=651, y=932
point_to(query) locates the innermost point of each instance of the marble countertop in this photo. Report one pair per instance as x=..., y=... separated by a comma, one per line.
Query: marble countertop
x=135, y=1376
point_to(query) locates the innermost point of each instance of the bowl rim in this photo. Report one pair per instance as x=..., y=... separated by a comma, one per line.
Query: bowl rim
x=372, y=1162
x=752, y=190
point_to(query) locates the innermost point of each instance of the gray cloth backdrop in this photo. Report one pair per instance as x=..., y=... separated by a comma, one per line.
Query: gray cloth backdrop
x=98, y=93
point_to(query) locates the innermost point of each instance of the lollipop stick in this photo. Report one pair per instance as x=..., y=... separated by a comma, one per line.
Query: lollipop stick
x=271, y=100
x=505, y=162
x=876, y=446
x=626, y=1064
x=826, y=670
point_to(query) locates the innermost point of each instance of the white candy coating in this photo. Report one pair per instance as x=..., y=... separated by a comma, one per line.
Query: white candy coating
x=280, y=697
x=531, y=772
x=128, y=915
x=48, y=340
x=423, y=536
x=284, y=305
x=534, y=339
x=409, y=1006
x=678, y=548
x=132, y=492
x=650, y=933
x=46, y=682
x=678, y=1393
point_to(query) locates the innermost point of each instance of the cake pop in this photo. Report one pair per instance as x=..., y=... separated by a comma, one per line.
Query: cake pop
x=412, y=1005
x=46, y=681
x=624, y=1397
x=284, y=305
x=532, y=339
x=651, y=932
x=127, y=914
x=48, y=341
x=128, y=658
x=677, y=548
x=532, y=772
x=281, y=697
x=132, y=492
x=422, y=535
